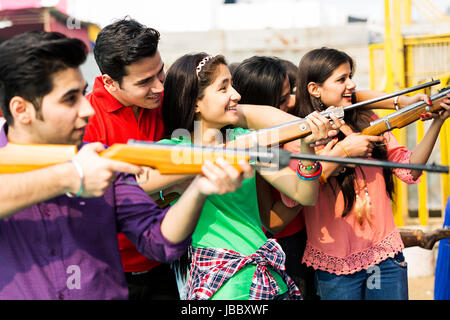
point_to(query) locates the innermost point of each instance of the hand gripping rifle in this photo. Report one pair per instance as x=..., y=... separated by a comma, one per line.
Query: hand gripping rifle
x=407, y=115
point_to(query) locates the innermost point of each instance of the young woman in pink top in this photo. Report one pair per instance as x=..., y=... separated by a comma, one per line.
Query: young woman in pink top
x=353, y=243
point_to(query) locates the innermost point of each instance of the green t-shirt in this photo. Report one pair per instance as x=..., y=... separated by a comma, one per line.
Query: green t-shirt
x=231, y=221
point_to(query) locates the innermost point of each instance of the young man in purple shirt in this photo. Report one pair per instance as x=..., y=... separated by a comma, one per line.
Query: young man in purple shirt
x=58, y=225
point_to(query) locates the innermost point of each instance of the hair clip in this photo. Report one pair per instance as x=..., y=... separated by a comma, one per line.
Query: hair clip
x=202, y=64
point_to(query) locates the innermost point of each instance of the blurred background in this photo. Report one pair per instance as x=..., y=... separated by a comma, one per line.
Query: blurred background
x=395, y=43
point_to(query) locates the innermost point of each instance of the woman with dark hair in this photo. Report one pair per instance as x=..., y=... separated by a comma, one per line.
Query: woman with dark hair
x=263, y=81
x=353, y=243
x=231, y=258
x=292, y=71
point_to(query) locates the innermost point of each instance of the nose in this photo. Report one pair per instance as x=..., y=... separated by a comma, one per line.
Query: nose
x=159, y=85
x=351, y=85
x=235, y=96
x=86, y=110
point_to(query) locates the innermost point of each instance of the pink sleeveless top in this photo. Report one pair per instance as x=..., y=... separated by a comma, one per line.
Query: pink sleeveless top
x=341, y=245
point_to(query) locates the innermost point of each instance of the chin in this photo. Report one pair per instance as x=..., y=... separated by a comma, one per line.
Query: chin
x=346, y=103
x=151, y=104
x=234, y=120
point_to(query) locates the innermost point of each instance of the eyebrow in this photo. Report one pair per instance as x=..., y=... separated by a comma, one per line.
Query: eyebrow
x=225, y=81
x=74, y=91
x=343, y=75
x=143, y=81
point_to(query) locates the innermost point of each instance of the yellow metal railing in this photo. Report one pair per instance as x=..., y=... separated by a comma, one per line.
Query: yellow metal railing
x=423, y=58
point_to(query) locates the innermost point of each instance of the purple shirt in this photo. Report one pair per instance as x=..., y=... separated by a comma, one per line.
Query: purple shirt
x=67, y=248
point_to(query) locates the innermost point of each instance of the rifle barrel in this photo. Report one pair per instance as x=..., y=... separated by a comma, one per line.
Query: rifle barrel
x=371, y=163
x=392, y=95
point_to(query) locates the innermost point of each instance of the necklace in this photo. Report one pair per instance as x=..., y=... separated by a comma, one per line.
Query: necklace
x=363, y=205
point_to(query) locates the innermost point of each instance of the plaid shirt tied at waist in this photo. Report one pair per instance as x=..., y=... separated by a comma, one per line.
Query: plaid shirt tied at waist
x=212, y=267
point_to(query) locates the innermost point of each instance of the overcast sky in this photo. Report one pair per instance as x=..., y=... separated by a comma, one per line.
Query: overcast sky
x=199, y=15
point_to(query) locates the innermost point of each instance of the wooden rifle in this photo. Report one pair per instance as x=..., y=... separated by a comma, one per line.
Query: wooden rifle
x=407, y=115
x=297, y=129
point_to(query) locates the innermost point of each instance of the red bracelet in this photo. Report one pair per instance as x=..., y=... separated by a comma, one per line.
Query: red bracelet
x=309, y=168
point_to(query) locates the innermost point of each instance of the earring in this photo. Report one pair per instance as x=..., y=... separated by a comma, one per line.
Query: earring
x=322, y=106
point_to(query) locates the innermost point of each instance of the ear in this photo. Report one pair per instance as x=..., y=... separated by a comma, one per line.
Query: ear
x=22, y=110
x=314, y=89
x=109, y=83
x=198, y=107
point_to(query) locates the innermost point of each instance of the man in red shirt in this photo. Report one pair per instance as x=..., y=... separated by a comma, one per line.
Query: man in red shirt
x=127, y=100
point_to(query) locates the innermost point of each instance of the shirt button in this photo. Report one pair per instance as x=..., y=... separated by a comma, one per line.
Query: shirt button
x=53, y=252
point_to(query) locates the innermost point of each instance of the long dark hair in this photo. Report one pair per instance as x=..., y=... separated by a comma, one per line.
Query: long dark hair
x=317, y=66
x=259, y=80
x=183, y=87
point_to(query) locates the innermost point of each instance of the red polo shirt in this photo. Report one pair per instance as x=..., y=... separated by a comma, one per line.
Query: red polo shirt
x=115, y=123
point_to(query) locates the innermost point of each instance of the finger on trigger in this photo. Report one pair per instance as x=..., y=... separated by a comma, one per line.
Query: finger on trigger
x=119, y=166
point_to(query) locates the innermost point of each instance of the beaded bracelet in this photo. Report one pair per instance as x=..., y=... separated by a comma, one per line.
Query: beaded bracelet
x=310, y=177
x=309, y=168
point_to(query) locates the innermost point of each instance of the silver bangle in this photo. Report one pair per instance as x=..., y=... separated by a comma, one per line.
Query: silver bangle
x=80, y=173
x=396, y=103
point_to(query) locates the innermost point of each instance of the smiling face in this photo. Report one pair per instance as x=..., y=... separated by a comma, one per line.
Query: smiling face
x=64, y=113
x=338, y=88
x=217, y=108
x=143, y=84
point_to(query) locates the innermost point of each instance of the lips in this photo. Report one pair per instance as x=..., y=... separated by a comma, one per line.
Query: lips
x=154, y=98
x=347, y=97
x=233, y=108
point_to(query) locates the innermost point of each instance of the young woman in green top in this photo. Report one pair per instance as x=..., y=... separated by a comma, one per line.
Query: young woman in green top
x=231, y=256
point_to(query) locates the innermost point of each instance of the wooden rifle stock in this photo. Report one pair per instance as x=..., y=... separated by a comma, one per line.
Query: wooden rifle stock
x=172, y=159
x=20, y=158
x=405, y=116
x=280, y=134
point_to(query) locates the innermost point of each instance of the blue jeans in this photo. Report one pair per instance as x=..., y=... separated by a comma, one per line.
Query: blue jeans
x=387, y=280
